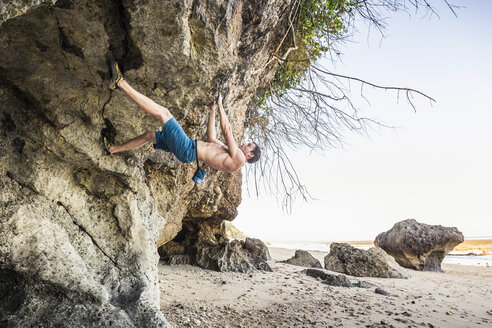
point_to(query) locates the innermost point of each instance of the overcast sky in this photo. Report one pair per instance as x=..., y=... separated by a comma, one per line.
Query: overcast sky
x=436, y=167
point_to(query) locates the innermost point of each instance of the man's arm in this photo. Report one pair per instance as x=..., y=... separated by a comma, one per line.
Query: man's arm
x=234, y=151
x=211, y=135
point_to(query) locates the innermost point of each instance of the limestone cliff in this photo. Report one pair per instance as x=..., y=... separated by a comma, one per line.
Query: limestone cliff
x=78, y=231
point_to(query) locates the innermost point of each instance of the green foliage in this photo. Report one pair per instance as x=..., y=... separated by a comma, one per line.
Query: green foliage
x=317, y=24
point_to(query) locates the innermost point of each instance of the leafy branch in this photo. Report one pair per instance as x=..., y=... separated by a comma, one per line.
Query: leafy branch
x=306, y=104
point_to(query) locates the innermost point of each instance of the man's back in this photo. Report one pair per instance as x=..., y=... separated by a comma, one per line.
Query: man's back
x=218, y=156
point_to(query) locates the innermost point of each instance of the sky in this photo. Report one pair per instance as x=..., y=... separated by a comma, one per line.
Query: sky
x=435, y=166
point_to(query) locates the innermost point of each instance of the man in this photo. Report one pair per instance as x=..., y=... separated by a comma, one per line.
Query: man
x=228, y=158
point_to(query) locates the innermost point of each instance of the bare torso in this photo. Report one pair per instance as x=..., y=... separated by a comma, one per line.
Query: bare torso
x=218, y=156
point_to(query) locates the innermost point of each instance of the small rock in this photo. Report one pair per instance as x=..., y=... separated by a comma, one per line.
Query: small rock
x=381, y=292
x=337, y=280
x=303, y=258
x=363, y=284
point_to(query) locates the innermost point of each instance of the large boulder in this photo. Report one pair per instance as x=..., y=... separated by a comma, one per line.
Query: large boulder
x=79, y=231
x=205, y=244
x=374, y=262
x=419, y=246
x=303, y=258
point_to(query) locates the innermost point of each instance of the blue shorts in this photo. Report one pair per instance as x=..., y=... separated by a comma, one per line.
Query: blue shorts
x=173, y=139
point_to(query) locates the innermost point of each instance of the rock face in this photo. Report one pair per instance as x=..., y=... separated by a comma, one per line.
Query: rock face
x=303, y=258
x=78, y=231
x=360, y=263
x=204, y=244
x=419, y=246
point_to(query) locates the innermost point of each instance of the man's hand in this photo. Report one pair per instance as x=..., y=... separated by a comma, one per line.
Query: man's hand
x=219, y=100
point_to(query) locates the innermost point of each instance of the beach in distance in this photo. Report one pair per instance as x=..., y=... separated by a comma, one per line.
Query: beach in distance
x=473, y=251
x=459, y=297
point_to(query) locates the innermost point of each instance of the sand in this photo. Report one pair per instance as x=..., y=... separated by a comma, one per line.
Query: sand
x=193, y=297
x=482, y=245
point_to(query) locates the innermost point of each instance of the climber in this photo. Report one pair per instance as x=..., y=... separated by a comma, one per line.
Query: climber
x=171, y=138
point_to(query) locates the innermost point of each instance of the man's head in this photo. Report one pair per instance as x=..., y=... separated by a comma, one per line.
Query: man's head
x=251, y=151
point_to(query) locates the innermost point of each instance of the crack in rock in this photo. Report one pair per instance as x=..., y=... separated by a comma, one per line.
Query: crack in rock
x=88, y=234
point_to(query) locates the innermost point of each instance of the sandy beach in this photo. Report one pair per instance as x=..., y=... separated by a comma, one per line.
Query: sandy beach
x=286, y=297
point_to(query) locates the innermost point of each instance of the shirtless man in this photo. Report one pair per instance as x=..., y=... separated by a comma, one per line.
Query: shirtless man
x=171, y=138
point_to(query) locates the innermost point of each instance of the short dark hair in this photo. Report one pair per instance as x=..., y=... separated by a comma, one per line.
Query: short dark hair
x=256, y=154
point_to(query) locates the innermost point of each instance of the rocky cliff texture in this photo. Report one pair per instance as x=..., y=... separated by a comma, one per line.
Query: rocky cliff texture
x=419, y=246
x=205, y=244
x=78, y=231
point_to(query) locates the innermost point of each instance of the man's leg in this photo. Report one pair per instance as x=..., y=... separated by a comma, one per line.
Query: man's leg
x=134, y=143
x=146, y=103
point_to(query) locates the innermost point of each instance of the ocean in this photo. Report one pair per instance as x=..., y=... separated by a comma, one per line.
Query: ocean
x=463, y=257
